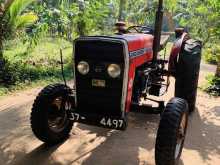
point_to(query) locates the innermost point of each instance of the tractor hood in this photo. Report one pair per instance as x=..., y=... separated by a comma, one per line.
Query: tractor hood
x=137, y=41
x=137, y=45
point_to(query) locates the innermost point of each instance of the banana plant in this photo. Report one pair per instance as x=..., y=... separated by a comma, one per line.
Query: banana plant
x=13, y=19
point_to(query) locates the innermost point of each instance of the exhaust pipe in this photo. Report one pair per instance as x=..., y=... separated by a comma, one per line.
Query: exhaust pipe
x=157, y=30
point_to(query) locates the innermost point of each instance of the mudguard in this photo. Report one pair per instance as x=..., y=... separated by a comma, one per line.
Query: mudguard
x=176, y=49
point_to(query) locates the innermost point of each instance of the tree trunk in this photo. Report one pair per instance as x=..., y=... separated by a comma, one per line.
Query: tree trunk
x=2, y=61
x=217, y=74
x=1, y=49
x=1, y=36
x=1, y=58
x=81, y=24
x=121, y=16
x=171, y=24
x=1, y=40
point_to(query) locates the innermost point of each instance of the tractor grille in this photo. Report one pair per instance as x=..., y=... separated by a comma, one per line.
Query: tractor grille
x=99, y=100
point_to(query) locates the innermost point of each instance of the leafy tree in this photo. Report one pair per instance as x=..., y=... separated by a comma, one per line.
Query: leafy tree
x=141, y=12
x=122, y=6
x=203, y=19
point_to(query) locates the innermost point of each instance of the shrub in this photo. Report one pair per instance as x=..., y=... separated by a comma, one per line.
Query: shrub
x=24, y=68
x=214, y=85
x=212, y=53
x=19, y=72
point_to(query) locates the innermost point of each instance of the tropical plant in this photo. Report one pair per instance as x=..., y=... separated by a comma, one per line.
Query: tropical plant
x=13, y=20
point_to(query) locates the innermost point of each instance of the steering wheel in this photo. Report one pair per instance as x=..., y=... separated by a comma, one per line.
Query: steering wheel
x=136, y=28
x=140, y=29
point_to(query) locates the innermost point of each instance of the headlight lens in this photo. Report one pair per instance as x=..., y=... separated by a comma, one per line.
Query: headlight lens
x=83, y=67
x=114, y=70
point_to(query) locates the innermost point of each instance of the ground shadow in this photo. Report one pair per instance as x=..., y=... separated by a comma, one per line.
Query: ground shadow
x=13, y=131
x=16, y=139
x=118, y=147
x=128, y=147
x=40, y=155
x=203, y=134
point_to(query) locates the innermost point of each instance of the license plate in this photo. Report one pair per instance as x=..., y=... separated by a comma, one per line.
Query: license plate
x=91, y=119
x=112, y=123
x=98, y=83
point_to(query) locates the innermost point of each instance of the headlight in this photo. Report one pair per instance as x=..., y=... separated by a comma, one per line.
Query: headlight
x=114, y=70
x=83, y=67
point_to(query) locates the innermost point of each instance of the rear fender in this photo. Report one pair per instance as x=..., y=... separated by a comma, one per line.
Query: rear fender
x=175, y=51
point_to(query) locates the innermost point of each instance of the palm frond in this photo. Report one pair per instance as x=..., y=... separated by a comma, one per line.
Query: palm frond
x=25, y=20
x=7, y=4
x=13, y=17
x=16, y=8
x=4, y=6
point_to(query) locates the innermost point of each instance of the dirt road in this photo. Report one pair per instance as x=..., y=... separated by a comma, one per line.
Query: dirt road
x=96, y=146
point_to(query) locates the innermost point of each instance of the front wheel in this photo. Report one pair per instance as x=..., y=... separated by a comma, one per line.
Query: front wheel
x=49, y=119
x=171, y=132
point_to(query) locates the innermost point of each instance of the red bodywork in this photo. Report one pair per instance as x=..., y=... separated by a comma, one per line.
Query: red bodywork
x=140, y=48
x=177, y=45
x=137, y=42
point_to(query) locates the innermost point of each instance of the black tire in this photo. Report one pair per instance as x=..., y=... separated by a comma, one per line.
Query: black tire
x=187, y=72
x=50, y=105
x=171, y=132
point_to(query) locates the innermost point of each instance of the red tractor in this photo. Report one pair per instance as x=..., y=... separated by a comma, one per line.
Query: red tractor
x=112, y=75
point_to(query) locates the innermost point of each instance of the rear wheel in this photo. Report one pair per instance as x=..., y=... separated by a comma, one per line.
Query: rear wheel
x=187, y=72
x=171, y=132
x=49, y=118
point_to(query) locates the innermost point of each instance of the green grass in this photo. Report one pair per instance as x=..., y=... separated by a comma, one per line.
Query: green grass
x=28, y=85
x=37, y=83
x=47, y=49
x=39, y=67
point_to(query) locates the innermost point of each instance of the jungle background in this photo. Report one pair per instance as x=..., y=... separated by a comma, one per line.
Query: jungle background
x=32, y=32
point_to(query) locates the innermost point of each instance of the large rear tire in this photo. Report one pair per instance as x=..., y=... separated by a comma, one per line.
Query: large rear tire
x=187, y=72
x=171, y=132
x=49, y=118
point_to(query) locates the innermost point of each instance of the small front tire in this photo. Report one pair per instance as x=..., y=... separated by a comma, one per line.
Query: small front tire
x=49, y=118
x=171, y=132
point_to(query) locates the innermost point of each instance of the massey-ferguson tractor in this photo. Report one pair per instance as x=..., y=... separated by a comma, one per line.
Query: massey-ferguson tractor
x=118, y=74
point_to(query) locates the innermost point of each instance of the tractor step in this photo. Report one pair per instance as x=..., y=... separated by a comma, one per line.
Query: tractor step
x=147, y=109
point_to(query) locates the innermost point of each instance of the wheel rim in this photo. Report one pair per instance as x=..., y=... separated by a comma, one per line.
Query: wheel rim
x=57, y=115
x=181, y=136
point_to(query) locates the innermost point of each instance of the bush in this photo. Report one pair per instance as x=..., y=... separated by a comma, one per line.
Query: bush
x=41, y=65
x=43, y=62
x=212, y=53
x=213, y=85
x=8, y=73
x=16, y=73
